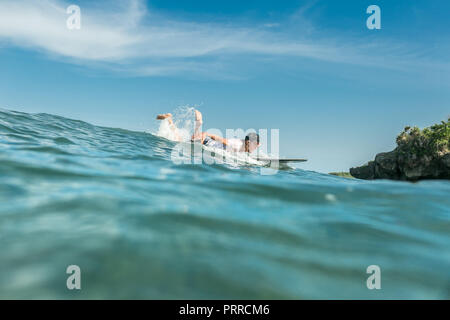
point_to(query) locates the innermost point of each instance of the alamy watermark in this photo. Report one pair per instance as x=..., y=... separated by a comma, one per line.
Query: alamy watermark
x=374, y=280
x=218, y=153
x=74, y=20
x=74, y=280
x=374, y=20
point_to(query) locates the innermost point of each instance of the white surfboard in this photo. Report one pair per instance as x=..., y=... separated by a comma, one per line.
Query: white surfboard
x=282, y=160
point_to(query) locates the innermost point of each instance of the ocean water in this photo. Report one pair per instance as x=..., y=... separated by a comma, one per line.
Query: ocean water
x=138, y=225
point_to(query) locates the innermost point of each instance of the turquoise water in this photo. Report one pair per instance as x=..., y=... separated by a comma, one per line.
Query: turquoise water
x=139, y=226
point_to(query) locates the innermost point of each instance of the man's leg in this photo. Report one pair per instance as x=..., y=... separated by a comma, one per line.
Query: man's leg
x=198, y=134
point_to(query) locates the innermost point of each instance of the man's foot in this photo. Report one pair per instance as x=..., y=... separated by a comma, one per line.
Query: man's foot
x=163, y=116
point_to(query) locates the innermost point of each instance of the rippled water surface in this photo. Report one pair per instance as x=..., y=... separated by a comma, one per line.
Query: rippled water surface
x=139, y=226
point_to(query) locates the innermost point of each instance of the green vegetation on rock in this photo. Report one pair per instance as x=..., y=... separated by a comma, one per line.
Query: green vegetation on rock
x=432, y=141
x=420, y=154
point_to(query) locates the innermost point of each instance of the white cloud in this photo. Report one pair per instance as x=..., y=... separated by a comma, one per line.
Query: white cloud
x=127, y=36
x=109, y=36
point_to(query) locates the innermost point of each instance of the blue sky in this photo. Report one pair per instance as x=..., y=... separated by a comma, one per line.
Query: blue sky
x=338, y=92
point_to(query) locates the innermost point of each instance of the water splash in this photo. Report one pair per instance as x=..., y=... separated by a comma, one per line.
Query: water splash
x=184, y=120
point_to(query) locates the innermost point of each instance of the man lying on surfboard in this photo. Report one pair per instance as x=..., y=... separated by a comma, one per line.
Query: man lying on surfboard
x=249, y=144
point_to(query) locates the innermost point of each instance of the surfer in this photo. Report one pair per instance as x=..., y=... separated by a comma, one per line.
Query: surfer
x=249, y=144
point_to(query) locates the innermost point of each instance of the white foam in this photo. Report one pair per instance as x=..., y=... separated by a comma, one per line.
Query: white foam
x=330, y=197
x=184, y=120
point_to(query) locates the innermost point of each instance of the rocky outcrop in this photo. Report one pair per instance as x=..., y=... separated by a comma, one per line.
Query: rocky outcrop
x=420, y=154
x=446, y=161
x=395, y=165
x=364, y=172
x=386, y=166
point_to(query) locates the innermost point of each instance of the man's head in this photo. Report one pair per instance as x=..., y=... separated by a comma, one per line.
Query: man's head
x=251, y=142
